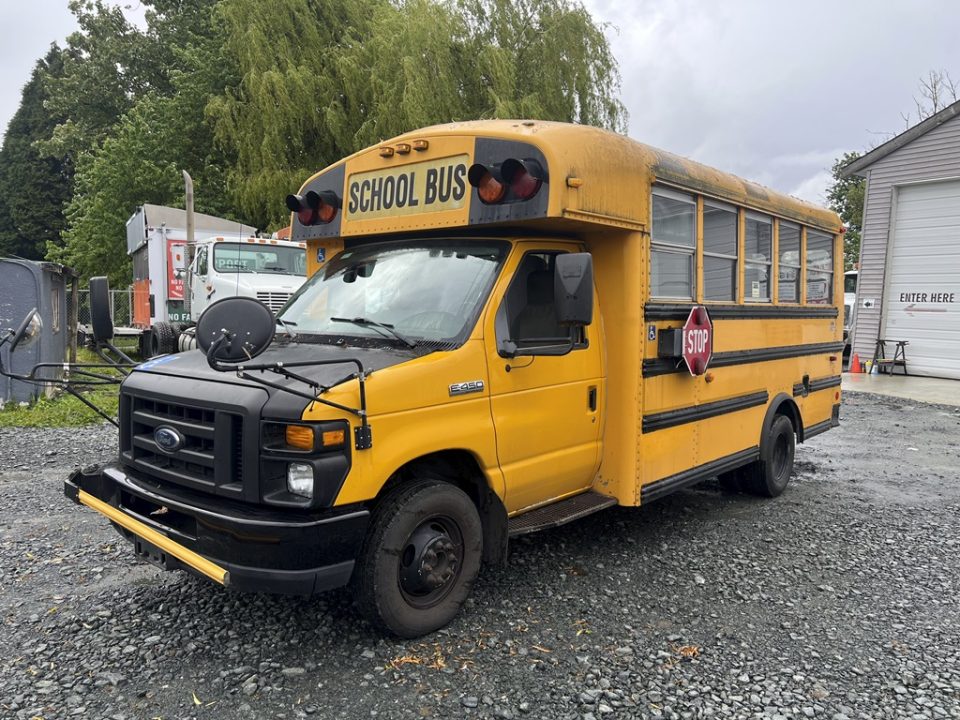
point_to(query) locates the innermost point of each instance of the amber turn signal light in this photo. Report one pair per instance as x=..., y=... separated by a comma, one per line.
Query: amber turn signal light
x=333, y=437
x=300, y=437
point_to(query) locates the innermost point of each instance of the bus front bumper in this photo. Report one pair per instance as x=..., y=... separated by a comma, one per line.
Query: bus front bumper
x=239, y=546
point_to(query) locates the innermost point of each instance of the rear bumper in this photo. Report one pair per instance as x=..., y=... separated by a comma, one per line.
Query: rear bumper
x=240, y=546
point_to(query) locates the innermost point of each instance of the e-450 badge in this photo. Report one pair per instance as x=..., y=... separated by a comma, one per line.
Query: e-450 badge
x=471, y=386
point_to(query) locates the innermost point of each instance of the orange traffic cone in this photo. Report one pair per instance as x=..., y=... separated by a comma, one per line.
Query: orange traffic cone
x=855, y=366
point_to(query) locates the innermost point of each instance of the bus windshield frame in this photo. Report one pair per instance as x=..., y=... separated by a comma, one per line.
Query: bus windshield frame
x=428, y=291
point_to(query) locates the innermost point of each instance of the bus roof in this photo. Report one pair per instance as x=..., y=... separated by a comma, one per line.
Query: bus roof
x=614, y=155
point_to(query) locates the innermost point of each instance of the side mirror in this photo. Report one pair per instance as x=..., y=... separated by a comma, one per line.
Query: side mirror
x=573, y=289
x=28, y=332
x=234, y=330
x=100, y=321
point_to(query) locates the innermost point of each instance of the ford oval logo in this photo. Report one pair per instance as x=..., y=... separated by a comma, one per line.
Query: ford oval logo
x=167, y=439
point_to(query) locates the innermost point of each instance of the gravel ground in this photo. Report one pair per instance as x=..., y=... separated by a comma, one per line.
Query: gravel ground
x=838, y=600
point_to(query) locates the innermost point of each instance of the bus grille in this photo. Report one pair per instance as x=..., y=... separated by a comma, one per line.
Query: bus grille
x=210, y=457
x=273, y=300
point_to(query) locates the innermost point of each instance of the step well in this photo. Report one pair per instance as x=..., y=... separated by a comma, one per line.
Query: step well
x=559, y=513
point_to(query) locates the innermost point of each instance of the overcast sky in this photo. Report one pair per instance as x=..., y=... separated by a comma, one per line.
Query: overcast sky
x=772, y=91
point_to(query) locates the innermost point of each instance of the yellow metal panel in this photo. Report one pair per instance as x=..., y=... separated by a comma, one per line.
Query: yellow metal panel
x=181, y=553
x=620, y=274
x=329, y=247
x=412, y=414
x=547, y=435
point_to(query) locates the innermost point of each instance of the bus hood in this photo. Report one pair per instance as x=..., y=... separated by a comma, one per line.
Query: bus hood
x=193, y=364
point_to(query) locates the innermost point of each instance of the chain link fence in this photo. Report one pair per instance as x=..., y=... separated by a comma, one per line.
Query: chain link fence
x=121, y=307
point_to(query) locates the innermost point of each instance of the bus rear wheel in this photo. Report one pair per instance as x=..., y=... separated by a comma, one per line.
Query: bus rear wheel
x=769, y=476
x=420, y=560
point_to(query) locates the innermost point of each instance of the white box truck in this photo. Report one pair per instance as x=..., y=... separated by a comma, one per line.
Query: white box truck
x=174, y=280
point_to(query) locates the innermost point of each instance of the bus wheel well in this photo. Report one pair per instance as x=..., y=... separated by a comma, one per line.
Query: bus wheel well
x=460, y=468
x=784, y=405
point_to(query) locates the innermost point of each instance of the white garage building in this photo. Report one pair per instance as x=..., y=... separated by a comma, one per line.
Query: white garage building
x=909, y=282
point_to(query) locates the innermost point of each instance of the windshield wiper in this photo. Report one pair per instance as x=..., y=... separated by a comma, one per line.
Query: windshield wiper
x=287, y=324
x=367, y=322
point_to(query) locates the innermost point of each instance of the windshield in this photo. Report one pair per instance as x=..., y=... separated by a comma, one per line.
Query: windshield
x=254, y=257
x=425, y=291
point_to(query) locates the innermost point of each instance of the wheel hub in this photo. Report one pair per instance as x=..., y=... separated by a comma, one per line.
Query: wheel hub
x=429, y=561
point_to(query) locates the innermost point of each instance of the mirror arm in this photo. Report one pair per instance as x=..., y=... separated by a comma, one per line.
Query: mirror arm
x=127, y=361
x=90, y=405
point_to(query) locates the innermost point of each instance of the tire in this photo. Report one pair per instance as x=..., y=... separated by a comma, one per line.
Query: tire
x=163, y=339
x=425, y=524
x=770, y=475
x=101, y=324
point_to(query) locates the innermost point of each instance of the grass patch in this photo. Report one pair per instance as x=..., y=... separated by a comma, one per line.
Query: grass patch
x=64, y=410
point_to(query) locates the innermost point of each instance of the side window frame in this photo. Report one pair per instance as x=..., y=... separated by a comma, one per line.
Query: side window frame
x=796, y=266
x=817, y=269
x=667, y=247
x=763, y=219
x=502, y=321
x=202, y=261
x=734, y=210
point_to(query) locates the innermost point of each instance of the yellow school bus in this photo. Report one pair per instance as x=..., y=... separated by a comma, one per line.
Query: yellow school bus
x=508, y=325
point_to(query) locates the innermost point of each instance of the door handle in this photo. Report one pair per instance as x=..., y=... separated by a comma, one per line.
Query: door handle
x=592, y=398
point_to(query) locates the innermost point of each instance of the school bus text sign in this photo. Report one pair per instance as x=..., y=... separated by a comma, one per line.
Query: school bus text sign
x=424, y=187
x=697, y=340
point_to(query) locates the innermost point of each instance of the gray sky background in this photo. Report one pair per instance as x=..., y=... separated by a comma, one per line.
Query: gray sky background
x=773, y=91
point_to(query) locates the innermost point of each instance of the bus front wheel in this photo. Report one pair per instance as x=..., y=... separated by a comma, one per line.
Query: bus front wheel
x=420, y=559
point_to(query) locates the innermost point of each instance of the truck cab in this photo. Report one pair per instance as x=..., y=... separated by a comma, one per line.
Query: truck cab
x=269, y=270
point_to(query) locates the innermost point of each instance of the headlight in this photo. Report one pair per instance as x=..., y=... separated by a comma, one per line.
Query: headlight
x=300, y=479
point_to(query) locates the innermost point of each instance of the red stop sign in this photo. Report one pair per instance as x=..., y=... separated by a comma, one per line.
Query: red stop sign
x=698, y=340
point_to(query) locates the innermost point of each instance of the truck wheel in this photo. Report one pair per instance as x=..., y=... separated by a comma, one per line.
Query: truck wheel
x=769, y=476
x=163, y=339
x=420, y=559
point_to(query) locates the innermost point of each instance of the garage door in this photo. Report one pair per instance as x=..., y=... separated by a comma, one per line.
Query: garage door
x=922, y=302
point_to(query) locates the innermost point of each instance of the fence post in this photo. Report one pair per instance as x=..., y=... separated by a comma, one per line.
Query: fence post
x=74, y=316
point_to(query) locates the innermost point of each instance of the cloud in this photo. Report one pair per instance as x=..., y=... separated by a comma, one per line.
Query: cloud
x=814, y=188
x=770, y=91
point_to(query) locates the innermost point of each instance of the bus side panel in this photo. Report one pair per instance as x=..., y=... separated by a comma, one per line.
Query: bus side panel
x=620, y=273
x=746, y=389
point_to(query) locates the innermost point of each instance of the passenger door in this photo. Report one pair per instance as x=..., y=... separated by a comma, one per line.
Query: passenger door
x=546, y=407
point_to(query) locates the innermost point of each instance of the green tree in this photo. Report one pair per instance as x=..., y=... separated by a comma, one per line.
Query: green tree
x=323, y=79
x=141, y=158
x=846, y=196
x=107, y=64
x=33, y=188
